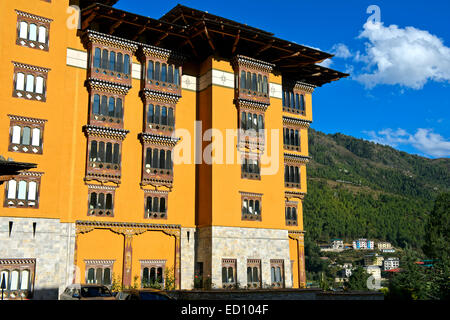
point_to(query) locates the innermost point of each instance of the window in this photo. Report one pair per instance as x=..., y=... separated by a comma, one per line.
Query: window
x=252, y=121
x=106, y=108
x=26, y=134
x=251, y=206
x=158, y=71
x=291, y=138
x=23, y=191
x=32, y=31
x=156, y=204
x=251, y=166
x=108, y=62
x=101, y=201
x=291, y=217
x=29, y=82
x=294, y=102
x=160, y=117
x=153, y=273
x=253, y=273
x=104, y=154
x=277, y=273
x=292, y=176
x=254, y=84
x=229, y=273
x=19, y=278
x=99, y=272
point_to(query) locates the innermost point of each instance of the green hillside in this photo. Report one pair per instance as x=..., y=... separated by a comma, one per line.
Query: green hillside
x=358, y=188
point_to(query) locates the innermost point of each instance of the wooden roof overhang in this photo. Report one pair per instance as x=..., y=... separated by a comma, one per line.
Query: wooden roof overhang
x=8, y=169
x=199, y=35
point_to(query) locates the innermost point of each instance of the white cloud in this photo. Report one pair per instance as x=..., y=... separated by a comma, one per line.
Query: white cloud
x=405, y=56
x=424, y=140
x=340, y=50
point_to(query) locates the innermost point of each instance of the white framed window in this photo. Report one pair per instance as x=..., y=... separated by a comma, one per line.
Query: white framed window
x=14, y=280
x=42, y=36
x=12, y=185
x=20, y=81
x=32, y=188
x=16, y=135
x=30, y=83
x=21, y=195
x=23, y=30
x=33, y=32
x=25, y=280
x=39, y=85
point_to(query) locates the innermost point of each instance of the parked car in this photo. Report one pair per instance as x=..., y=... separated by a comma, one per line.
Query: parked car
x=143, y=294
x=86, y=292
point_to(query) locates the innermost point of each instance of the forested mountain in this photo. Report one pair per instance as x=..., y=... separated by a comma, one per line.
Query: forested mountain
x=358, y=188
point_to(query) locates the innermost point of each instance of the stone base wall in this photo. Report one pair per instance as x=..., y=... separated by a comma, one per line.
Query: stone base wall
x=187, y=257
x=217, y=243
x=52, y=245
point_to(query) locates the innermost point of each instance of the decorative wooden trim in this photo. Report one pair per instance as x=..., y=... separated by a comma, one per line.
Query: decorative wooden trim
x=32, y=123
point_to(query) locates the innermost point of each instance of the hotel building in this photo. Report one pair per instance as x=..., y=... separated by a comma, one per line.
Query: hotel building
x=116, y=111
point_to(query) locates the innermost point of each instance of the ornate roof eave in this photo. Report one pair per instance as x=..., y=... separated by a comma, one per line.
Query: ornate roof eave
x=296, y=121
x=296, y=158
x=260, y=106
x=166, y=97
x=252, y=63
x=92, y=130
x=109, y=40
x=112, y=87
x=158, y=139
x=298, y=85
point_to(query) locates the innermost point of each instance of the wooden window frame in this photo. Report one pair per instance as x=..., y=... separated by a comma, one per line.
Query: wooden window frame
x=101, y=212
x=156, y=214
x=156, y=176
x=291, y=184
x=247, y=216
x=229, y=263
x=159, y=128
x=20, y=265
x=39, y=22
x=32, y=123
x=36, y=72
x=152, y=263
x=106, y=74
x=254, y=263
x=287, y=107
x=250, y=175
x=106, y=120
x=288, y=146
x=99, y=264
x=28, y=177
x=291, y=204
x=277, y=263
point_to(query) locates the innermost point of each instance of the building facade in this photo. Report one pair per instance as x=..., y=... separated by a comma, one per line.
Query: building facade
x=363, y=244
x=137, y=180
x=391, y=263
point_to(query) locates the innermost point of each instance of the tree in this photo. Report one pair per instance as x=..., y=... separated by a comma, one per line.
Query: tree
x=358, y=280
x=437, y=235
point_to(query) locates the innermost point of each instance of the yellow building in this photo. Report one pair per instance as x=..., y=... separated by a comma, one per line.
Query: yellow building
x=164, y=147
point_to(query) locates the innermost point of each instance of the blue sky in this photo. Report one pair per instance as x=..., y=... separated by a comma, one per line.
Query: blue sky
x=398, y=92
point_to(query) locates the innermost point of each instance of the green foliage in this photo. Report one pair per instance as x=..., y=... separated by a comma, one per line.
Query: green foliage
x=358, y=188
x=438, y=229
x=358, y=280
x=169, y=283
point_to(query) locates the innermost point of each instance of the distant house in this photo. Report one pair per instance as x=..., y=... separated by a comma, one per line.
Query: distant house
x=347, y=270
x=375, y=271
x=391, y=263
x=373, y=260
x=388, y=250
x=384, y=245
x=363, y=244
x=337, y=244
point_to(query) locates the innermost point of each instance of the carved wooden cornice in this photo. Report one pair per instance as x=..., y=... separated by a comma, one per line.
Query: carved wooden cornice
x=251, y=63
x=33, y=16
x=161, y=53
x=252, y=105
x=294, y=158
x=110, y=41
x=296, y=122
x=298, y=85
x=107, y=86
x=164, y=97
x=124, y=226
x=294, y=194
x=26, y=119
x=30, y=67
x=97, y=131
x=158, y=139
